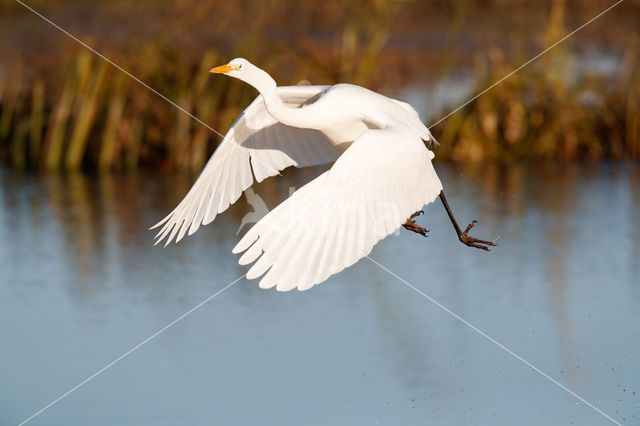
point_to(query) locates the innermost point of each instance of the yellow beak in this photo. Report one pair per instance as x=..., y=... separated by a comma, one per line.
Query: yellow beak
x=222, y=69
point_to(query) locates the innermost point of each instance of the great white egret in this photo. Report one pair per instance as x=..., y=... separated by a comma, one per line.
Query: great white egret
x=381, y=175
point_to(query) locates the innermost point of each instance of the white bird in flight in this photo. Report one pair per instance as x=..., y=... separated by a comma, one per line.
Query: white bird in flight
x=382, y=174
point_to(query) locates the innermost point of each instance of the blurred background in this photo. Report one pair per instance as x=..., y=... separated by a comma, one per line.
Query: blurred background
x=61, y=107
x=547, y=161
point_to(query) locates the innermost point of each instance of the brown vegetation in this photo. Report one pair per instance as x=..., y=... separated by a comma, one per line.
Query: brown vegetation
x=87, y=113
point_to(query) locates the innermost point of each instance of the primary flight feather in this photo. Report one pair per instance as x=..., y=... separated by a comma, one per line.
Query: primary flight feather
x=382, y=174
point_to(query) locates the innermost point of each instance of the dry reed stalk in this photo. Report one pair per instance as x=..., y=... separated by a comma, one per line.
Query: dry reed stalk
x=109, y=143
x=37, y=121
x=56, y=129
x=87, y=106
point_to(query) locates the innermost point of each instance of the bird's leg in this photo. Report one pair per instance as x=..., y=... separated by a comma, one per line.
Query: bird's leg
x=463, y=236
x=410, y=225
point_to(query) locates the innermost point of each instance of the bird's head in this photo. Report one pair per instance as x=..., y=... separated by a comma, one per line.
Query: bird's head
x=244, y=70
x=235, y=68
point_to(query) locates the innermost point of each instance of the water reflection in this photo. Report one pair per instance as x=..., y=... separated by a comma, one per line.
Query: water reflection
x=96, y=222
x=562, y=287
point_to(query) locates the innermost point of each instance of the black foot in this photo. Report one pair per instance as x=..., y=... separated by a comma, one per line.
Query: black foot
x=410, y=225
x=474, y=242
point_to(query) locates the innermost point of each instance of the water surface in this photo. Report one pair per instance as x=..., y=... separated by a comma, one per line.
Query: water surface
x=80, y=284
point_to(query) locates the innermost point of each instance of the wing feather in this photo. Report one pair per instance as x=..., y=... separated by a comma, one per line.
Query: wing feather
x=199, y=216
x=255, y=141
x=337, y=218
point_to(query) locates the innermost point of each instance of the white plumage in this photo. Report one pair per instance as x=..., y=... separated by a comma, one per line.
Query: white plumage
x=257, y=138
x=382, y=174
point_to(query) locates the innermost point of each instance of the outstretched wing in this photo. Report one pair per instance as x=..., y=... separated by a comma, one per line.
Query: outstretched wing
x=336, y=219
x=255, y=140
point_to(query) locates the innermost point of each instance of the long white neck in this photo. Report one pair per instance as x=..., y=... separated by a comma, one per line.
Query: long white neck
x=295, y=117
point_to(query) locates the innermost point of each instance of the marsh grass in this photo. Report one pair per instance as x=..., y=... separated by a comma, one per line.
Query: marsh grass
x=91, y=115
x=539, y=116
x=548, y=110
x=86, y=114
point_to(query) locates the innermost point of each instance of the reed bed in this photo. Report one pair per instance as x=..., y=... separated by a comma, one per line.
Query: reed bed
x=93, y=115
x=550, y=110
x=547, y=112
x=87, y=114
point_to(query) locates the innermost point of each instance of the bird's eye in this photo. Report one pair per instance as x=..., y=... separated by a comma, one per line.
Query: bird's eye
x=239, y=67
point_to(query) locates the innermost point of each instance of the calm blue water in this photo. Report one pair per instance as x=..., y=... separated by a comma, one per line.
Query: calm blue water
x=80, y=284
